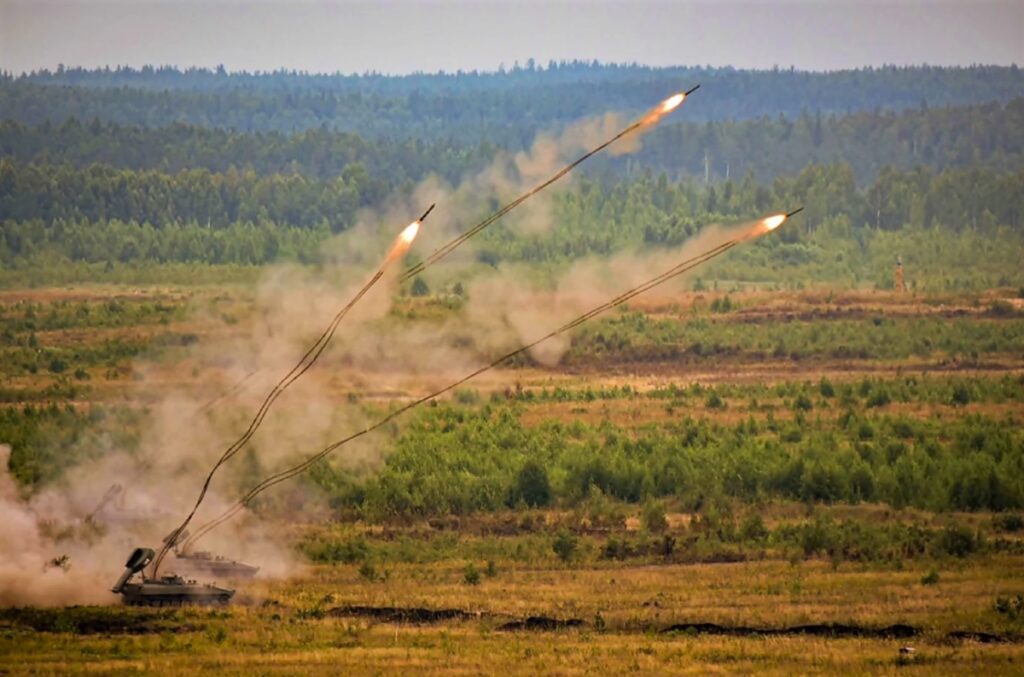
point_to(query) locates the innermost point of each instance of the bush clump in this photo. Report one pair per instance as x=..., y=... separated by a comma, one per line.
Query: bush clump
x=565, y=545
x=532, y=487
x=653, y=518
x=957, y=541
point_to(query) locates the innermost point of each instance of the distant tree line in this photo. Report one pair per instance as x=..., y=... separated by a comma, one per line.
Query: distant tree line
x=984, y=135
x=131, y=242
x=506, y=108
x=990, y=135
x=316, y=153
x=216, y=200
x=100, y=213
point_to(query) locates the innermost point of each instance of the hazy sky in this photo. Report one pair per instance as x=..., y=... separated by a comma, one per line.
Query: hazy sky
x=402, y=37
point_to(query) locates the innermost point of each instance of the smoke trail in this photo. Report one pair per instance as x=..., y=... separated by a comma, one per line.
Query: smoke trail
x=226, y=394
x=401, y=245
x=759, y=228
x=651, y=118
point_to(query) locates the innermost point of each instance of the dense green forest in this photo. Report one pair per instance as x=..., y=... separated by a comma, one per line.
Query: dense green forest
x=316, y=153
x=506, y=108
x=103, y=214
x=108, y=169
x=989, y=134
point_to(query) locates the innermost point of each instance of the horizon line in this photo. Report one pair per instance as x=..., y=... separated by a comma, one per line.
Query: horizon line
x=220, y=71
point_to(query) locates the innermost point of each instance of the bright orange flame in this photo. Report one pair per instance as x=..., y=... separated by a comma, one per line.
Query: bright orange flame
x=409, y=234
x=663, y=109
x=773, y=222
x=671, y=103
x=403, y=241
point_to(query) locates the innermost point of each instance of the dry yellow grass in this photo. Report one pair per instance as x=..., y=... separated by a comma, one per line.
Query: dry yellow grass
x=466, y=650
x=638, y=598
x=272, y=629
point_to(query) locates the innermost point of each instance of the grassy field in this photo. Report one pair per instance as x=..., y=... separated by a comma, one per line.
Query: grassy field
x=627, y=612
x=781, y=482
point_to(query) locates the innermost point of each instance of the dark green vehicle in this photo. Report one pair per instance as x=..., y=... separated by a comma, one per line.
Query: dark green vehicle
x=203, y=562
x=170, y=590
x=206, y=563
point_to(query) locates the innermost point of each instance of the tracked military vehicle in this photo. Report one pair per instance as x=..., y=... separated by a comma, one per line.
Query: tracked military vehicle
x=170, y=590
x=203, y=562
x=206, y=563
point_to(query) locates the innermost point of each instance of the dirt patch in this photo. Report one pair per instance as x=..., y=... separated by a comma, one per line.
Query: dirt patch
x=413, y=615
x=983, y=637
x=93, y=620
x=419, y=615
x=897, y=631
x=542, y=623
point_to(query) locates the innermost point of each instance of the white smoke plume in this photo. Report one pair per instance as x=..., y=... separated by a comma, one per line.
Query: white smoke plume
x=31, y=571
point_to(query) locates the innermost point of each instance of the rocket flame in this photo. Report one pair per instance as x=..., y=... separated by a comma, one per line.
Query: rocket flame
x=662, y=109
x=403, y=241
x=409, y=234
x=671, y=103
x=768, y=224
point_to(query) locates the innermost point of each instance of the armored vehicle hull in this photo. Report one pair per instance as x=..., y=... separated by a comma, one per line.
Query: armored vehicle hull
x=174, y=591
x=207, y=564
x=164, y=591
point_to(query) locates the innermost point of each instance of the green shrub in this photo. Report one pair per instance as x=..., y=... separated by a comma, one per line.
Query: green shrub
x=956, y=541
x=617, y=548
x=825, y=388
x=348, y=551
x=368, y=571
x=723, y=305
x=753, y=529
x=467, y=396
x=653, y=518
x=470, y=575
x=879, y=398
x=313, y=613
x=1012, y=608
x=1009, y=523
x=532, y=486
x=565, y=545
x=419, y=287
x=961, y=394
x=714, y=401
